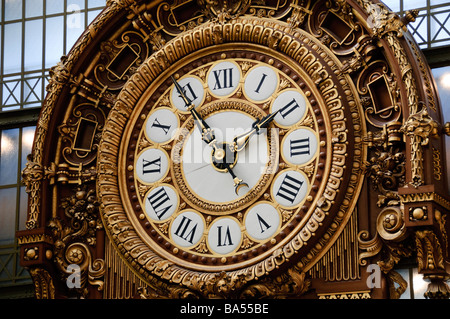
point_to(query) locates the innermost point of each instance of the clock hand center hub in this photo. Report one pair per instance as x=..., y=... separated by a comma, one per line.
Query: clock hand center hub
x=223, y=157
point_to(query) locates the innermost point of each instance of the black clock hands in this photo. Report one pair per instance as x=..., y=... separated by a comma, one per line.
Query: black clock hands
x=241, y=141
x=219, y=154
x=207, y=132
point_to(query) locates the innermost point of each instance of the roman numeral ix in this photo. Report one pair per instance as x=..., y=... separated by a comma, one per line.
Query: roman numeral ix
x=151, y=166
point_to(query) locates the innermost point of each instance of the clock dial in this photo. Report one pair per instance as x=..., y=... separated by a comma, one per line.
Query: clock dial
x=208, y=181
x=231, y=156
x=225, y=162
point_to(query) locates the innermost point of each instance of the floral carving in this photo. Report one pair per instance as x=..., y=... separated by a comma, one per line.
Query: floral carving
x=73, y=239
x=224, y=10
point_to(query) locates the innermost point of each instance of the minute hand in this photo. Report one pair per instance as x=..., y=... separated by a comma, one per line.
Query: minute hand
x=207, y=132
x=241, y=141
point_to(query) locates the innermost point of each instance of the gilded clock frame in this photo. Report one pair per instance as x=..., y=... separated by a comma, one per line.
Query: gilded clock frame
x=295, y=45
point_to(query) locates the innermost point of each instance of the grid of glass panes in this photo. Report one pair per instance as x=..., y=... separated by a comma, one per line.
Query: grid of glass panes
x=34, y=34
x=15, y=144
x=432, y=26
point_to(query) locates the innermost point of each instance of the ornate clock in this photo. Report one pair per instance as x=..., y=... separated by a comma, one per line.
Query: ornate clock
x=231, y=144
x=233, y=149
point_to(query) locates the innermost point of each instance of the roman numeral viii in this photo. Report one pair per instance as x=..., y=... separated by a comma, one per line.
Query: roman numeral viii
x=160, y=202
x=289, y=188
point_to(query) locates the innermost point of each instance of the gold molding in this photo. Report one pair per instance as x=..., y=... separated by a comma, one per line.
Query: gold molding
x=365, y=294
x=425, y=197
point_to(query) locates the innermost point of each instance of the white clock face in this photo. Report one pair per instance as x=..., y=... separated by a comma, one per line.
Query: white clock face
x=202, y=177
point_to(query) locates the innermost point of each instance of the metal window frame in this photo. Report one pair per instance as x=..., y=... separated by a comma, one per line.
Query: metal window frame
x=41, y=73
x=428, y=14
x=19, y=115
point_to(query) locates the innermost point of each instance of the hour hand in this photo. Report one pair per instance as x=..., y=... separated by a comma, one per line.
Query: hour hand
x=238, y=183
x=241, y=141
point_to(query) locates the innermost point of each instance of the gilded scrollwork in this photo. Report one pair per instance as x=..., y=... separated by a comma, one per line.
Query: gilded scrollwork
x=44, y=286
x=80, y=134
x=120, y=58
x=429, y=251
x=73, y=239
x=32, y=176
x=223, y=10
x=391, y=244
x=386, y=170
x=60, y=76
x=431, y=262
x=299, y=14
x=291, y=284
